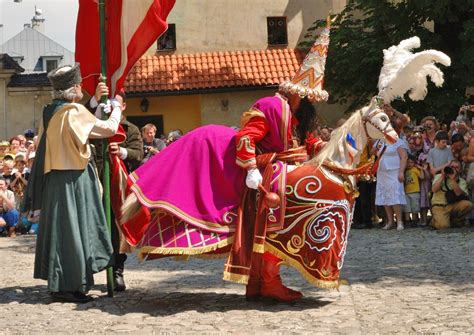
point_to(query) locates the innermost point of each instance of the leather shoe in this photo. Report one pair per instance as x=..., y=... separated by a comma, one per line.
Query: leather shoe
x=76, y=297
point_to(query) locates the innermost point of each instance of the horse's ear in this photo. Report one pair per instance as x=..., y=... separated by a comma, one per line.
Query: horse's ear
x=372, y=105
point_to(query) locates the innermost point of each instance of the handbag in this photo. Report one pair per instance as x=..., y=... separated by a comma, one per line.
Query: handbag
x=451, y=196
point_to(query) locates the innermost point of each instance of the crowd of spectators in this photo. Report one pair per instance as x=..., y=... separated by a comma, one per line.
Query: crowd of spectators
x=433, y=161
x=426, y=177
x=16, y=160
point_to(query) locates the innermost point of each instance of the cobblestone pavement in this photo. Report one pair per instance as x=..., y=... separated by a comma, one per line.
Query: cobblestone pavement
x=413, y=281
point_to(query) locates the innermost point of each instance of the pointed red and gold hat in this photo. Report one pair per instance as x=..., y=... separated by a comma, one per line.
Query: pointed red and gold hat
x=308, y=81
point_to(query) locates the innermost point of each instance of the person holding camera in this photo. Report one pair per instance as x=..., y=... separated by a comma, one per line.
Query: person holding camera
x=151, y=145
x=173, y=136
x=429, y=127
x=459, y=150
x=463, y=113
x=450, y=201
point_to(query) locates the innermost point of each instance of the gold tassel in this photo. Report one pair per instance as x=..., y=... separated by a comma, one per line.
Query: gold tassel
x=236, y=278
x=182, y=251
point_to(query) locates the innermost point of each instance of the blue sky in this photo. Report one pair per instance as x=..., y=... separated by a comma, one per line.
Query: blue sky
x=60, y=19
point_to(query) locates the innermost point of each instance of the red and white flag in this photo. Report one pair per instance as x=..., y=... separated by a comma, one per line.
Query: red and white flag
x=132, y=26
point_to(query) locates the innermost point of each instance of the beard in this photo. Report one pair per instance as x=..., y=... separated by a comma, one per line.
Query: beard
x=79, y=96
x=306, y=116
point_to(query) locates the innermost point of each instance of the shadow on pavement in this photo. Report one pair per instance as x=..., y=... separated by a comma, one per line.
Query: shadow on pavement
x=165, y=304
x=158, y=304
x=32, y=295
x=413, y=257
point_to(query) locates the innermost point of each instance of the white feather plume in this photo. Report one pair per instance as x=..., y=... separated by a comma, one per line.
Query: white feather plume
x=409, y=44
x=404, y=71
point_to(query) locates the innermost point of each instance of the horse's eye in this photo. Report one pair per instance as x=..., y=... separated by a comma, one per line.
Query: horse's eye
x=384, y=119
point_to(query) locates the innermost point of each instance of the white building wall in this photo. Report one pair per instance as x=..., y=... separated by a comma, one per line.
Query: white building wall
x=219, y=25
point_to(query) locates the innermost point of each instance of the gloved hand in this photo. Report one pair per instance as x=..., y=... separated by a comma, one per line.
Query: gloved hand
x=107, y=109
x=115, y=103
x=254, y=178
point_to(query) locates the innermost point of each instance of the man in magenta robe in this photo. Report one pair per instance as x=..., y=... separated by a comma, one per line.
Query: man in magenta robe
x=195, y=190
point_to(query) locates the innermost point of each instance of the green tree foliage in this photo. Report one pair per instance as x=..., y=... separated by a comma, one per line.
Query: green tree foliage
x=366, y=27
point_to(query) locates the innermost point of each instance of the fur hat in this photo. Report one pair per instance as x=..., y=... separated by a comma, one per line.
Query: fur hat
x=308, y=81
x=65, y=77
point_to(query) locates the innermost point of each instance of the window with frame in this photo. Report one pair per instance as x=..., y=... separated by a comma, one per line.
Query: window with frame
x=167, y=41
x=48, y=63
x=277, y=31
x=51, y=64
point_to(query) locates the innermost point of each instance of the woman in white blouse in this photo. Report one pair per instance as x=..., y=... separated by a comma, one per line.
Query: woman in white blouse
x=390, y=191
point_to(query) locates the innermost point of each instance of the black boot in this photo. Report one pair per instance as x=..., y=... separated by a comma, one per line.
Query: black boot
x=119, y=282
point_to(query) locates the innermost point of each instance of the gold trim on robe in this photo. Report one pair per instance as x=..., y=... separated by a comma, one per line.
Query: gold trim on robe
x=252, y=112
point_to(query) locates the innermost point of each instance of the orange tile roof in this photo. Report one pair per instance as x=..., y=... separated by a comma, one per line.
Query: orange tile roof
x=177, y=72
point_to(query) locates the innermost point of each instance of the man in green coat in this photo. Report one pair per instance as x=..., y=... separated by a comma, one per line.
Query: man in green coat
x=73, y=242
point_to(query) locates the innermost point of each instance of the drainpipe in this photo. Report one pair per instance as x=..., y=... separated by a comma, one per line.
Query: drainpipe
x=5, y=108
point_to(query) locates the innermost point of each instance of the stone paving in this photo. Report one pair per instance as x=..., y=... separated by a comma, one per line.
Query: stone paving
x=417, y=281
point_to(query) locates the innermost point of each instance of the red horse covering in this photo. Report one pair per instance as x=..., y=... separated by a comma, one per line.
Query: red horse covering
x=313, y=239
x=317, y=222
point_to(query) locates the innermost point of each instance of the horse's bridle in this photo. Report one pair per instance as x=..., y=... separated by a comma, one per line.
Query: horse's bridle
x=368, y=119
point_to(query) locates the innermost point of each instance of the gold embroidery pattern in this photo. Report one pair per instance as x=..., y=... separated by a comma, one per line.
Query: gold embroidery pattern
x=252, y=112
x=314, y=227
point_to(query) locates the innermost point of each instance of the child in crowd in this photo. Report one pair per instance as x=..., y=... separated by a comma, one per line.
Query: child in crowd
x=8, y=171
x=18, y=183
x=413, y=175
x=441, y=155
x=4, y=148
x=31, y=159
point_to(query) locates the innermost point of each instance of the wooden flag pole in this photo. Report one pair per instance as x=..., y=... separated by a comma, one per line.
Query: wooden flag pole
x=105, y=147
